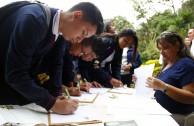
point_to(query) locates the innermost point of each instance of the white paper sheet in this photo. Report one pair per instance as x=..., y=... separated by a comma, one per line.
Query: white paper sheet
x=2, y=120
x=22, y=115
x=123, y=90
x=138, y=110
x=35, y=107
x=83, y=114
x=99, y=90
x=155, y=120
x=142, y=73
x=133, y=105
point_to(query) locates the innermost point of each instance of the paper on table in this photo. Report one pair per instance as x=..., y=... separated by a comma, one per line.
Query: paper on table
x=122, y=90
x=140, y=108
x=132, y=105
x=86, y=97
x=99, y=90
x=35, y=107
x=2, y=120
x=84, y=115
x=142, y=73
x=22, y=115
x=121, y=123
x=137, y=111
x=155, y=120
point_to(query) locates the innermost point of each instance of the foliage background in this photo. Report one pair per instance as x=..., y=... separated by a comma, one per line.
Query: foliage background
x=171, y=19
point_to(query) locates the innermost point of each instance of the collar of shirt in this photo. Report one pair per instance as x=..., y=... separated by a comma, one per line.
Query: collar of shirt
x=55, y=27
x=192, y=47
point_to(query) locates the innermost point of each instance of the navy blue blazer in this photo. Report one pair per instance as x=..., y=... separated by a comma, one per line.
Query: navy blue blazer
x=22, y=47
x=69, y=67
x=101, y=69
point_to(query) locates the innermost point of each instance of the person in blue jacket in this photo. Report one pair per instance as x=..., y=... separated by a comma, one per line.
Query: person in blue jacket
x=106, y=69
x=130, y=61
x=24, y=41
x=174, y=85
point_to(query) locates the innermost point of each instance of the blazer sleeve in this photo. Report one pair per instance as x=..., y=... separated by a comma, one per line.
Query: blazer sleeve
x=87, y=67
x=116, y=64
x=68, y=73
x=84, y=68
x=137, y=62
x=55, y=67
x=23, y=44
x=101, y=74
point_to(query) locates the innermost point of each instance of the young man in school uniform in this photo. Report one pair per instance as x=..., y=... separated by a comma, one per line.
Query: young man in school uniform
x=26, y=38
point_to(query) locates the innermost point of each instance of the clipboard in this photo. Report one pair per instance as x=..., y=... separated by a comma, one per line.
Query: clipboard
x=84, y=115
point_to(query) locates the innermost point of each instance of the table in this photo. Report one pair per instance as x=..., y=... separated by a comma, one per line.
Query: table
x=122, y=107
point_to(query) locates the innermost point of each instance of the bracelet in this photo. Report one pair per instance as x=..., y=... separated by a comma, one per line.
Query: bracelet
x=165, y=88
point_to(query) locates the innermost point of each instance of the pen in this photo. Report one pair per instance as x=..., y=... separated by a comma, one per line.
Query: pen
x=67, y=92
x=78, y=85
x=85, y=80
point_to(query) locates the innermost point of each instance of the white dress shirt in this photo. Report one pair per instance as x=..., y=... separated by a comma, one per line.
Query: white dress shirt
x=55, y=27
x=192, y=47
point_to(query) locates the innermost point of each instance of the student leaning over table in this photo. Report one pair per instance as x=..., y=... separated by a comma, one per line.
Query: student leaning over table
x=174, y=84
x=87, y=50
x=23, y=45
x=106, y=69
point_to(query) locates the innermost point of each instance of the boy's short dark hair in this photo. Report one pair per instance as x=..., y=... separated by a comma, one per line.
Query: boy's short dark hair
x=90, y=14
x=96, y=44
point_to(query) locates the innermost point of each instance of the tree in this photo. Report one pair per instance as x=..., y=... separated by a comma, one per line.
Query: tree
x=120, y=23
x=179, y=20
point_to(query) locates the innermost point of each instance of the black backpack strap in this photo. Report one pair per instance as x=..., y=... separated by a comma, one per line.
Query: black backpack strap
x=8, y=9
x=46, y=10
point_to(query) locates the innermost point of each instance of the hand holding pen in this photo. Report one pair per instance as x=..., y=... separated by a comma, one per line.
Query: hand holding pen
x=65, y=105
x=74, y=91
x=85, y=87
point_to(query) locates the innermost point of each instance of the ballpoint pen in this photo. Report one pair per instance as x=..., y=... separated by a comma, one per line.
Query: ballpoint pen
x=85, y=80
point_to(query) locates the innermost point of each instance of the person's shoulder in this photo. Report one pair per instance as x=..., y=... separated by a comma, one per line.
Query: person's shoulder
x=186, y=62
x=186, y=59
x=107, y=41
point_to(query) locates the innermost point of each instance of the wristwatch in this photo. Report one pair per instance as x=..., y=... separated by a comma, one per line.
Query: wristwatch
x=165, y=88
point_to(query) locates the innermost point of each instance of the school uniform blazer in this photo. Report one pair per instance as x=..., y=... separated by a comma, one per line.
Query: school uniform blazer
x=106, y=68
x=22, y=46
x=52, y=64
x=68, y=73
